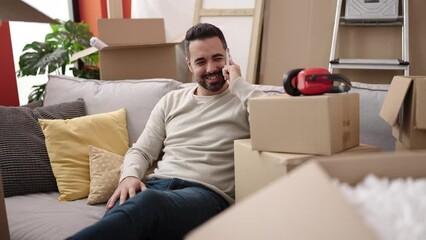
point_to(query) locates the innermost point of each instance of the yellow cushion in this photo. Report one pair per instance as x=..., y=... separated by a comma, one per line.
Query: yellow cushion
x=67, y=143
x=104, y=174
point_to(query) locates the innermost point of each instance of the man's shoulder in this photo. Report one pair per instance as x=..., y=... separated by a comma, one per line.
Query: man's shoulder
x=178, y=93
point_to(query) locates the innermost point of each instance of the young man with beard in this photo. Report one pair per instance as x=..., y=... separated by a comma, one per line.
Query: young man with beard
x=195, y=128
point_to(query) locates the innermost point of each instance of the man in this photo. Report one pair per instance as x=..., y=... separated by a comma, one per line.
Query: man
x=195, y=128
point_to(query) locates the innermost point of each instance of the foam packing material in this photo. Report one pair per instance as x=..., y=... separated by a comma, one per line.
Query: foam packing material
x=395, y=209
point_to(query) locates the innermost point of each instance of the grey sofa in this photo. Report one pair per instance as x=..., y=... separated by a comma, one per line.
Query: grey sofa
x=39, y=215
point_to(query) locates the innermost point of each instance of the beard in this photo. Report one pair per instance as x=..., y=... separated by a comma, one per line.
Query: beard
x=212, y=86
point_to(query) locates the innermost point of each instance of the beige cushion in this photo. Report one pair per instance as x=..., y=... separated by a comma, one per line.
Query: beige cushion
x=104, y=174
x=138, y=97
x=67, y=143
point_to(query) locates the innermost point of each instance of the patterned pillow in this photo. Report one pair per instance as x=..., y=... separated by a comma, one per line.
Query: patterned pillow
x=24, y=162
x=104, y=174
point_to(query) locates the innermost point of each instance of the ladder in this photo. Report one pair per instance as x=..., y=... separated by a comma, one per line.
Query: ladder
x=372, y=18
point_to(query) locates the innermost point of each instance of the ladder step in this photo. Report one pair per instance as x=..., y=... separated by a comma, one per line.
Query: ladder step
x=357, y=63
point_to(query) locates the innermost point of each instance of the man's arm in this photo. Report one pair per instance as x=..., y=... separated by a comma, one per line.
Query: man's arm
x=140, y=157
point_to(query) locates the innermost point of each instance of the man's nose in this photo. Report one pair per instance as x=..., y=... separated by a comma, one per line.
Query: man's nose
x=211, y=67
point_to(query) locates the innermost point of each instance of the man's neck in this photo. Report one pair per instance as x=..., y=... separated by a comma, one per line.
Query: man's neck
x=200, y=91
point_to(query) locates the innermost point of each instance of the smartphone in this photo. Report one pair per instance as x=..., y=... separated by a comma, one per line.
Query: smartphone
x=227, y=57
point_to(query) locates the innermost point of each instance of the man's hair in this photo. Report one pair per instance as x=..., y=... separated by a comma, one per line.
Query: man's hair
x=203, y=31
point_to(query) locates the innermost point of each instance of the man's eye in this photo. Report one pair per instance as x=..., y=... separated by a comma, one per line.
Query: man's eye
x=200, y=63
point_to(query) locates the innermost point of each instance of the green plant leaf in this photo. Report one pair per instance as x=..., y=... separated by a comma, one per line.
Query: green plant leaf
x=41, y=56
x=37, y=93
x=66, y=38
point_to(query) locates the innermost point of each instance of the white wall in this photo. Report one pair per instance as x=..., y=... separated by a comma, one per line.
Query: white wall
x=23, y=33
x=179, y=17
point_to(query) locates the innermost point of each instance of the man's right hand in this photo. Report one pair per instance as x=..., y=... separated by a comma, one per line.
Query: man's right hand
x=129, y=186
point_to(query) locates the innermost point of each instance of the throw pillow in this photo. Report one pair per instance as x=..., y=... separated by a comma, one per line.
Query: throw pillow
x=67, y=143
x=24, y=163
x=104, y=174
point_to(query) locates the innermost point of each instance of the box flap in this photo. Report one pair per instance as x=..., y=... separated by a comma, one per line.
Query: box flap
x=353, y=168
x=306, y=204
x=303, y=205
x=131, y=31
x=420, y=120
x=15, y=10
x=394, y=99
x=83, y=53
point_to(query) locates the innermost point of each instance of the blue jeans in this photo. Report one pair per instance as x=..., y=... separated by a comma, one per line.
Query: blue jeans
x=168, y=209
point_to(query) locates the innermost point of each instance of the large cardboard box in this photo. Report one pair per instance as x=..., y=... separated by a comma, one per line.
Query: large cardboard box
x=136, y=49
x=306, y=205
x=404, y=109
x=254, y=170
x=323, y=124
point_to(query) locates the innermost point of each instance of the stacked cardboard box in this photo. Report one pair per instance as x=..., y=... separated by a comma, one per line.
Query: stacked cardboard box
x=307, y=205
x=136, y=49
x=404, y=110
x=256, y=169
x=323, y=124
x=287, y=131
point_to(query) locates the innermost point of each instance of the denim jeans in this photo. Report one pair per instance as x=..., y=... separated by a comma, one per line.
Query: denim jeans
x=168, y=209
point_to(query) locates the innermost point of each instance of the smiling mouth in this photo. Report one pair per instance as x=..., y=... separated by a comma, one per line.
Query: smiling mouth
x=213, y=78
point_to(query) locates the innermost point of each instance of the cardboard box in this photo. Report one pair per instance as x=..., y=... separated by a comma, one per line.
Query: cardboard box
x=399, y=147
x=137, y=49
x=254, y=170
x=323, y=124
x=404, y=109
x=306, y=205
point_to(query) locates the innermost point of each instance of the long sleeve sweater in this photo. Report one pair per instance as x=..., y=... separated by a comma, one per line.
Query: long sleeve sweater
x=196, y=135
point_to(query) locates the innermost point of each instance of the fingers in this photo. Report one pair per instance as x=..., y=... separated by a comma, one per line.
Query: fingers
x=127, y=188
x=132, y=192
x=231, y=72
x=112, y=200
x=225, y=73
x=143, y=187
x=123, y=196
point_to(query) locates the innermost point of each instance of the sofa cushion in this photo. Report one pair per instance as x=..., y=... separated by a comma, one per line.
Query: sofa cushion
x=24, y=162
x=104, y=174
x=137, y=96
x=68, y=141
x=40, y=216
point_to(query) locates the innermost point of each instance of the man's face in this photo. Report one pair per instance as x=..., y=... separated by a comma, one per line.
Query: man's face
x=206, y=60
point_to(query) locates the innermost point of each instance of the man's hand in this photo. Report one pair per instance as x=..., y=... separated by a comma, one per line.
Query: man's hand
x=231, y=72
x=129, y=186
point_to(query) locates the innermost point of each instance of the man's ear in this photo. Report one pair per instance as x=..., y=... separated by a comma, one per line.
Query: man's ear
x=188, y=63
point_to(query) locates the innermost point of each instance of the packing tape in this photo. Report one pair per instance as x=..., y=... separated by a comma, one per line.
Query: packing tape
x=97, y=43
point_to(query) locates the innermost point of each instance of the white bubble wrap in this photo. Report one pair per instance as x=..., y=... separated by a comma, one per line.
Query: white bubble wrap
x=395, y=209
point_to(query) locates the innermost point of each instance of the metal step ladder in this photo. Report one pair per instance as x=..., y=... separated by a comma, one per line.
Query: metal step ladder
x=371, y=13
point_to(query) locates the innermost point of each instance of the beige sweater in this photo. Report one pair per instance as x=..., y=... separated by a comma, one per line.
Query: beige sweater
x=197, y=137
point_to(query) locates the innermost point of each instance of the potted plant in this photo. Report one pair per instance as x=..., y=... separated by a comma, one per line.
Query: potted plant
x=54, y=54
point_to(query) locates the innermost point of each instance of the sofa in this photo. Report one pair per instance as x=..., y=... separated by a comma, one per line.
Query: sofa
x=95, y=122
